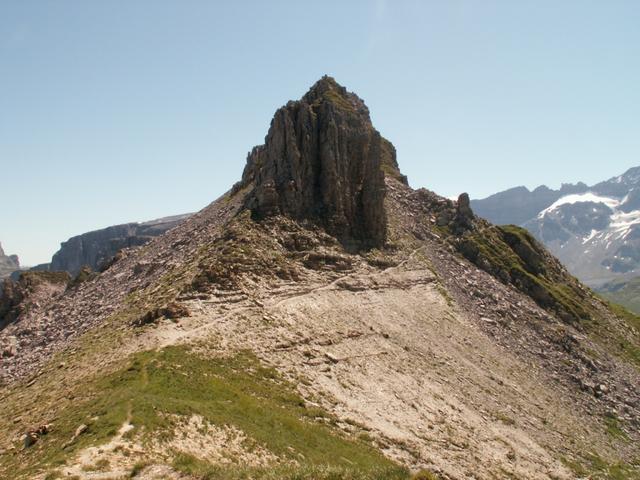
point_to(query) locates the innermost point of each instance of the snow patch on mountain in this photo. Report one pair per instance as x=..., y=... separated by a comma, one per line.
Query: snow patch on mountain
x=588, y=197
x=595, y=233
x=591, y=235
x=622, y=222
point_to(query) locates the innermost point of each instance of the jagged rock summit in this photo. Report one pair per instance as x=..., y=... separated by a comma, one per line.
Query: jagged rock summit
x=322, y=160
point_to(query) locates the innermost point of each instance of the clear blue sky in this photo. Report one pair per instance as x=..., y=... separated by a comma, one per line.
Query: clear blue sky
x=120, y=110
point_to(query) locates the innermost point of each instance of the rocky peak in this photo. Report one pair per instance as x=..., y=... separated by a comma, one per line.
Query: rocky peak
x=464, y=214
x=323, y=161
x=327, y=90
x=630, y=177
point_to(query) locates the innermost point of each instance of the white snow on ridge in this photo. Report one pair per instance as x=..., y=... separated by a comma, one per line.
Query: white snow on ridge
x=622, y=222
x=590, y=236
x=580, y=198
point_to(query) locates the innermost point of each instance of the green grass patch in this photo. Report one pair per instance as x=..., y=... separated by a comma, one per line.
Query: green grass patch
x=626, y=343
x=624, y=292
x=196, y=468
x=512, y=255
x=53, y=476
x=594, y=467
x=138, y=467
x=157, y=386
x=613, y=426
x=629, y=317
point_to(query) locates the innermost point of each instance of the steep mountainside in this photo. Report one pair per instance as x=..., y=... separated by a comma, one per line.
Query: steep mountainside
x=93, y=249
x=594, y=231
x=8, y=264
x=323, y=320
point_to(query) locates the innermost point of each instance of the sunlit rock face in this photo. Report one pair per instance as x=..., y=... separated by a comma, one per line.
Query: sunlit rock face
x=322, y=160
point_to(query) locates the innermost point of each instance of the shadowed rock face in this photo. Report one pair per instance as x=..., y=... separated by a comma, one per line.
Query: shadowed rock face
x=322, y=160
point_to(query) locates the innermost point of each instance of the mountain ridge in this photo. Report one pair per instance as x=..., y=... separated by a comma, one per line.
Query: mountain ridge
x=95, y=248
x=422, y=339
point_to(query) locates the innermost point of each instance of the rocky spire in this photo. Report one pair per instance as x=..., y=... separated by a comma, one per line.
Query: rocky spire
x=322, y=160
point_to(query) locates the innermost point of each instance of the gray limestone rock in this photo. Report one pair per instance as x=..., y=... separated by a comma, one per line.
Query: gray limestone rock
x=323, y=161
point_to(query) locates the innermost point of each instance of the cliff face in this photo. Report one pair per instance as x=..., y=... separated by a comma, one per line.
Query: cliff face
x=8, y=263
x=323, y=161
x=95, y=248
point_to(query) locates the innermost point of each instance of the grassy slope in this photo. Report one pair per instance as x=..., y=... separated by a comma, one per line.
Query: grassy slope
x=156, y=385
x=628, y=345
x=512, y=255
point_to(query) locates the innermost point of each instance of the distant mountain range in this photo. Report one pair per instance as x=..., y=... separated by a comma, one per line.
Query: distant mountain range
x=594, y=230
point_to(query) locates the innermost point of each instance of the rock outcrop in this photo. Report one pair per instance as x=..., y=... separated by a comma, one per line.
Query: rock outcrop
x=323, y=161
x=8, y=263
x=464, y=215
